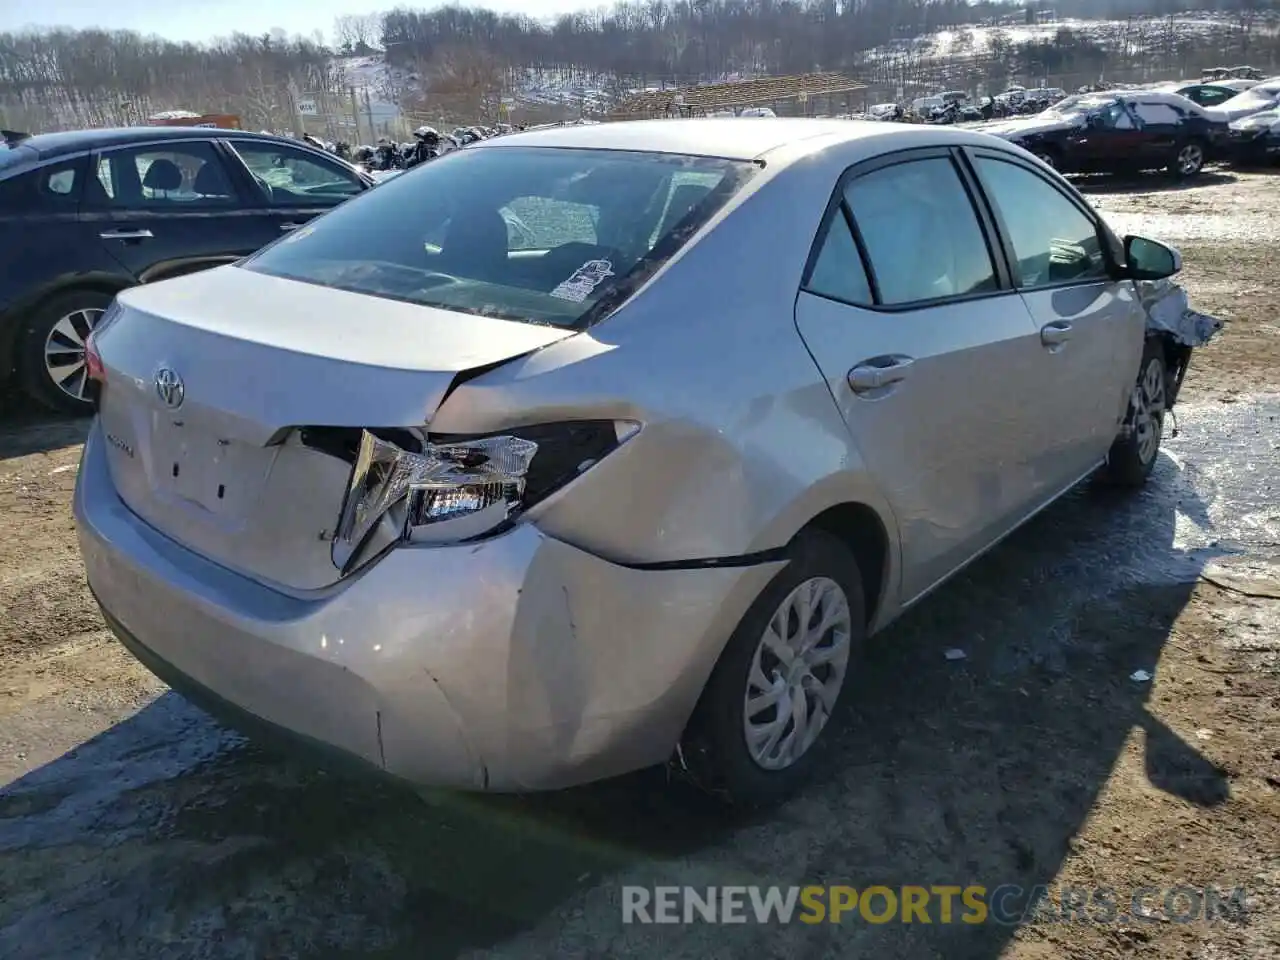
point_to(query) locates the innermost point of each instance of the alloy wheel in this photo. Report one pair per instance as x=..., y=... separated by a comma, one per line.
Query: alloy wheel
x=1190, y=159
x=64, y=360
x=796, y=673
x=1148, y=422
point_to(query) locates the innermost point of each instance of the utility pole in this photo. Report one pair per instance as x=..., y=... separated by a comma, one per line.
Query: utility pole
x=296, y=108
x=368, y=110
x=355, y=115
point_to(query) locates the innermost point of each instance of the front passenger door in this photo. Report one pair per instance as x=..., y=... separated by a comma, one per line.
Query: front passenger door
x=296, y=184
x=1090, y=326
x=928, y=354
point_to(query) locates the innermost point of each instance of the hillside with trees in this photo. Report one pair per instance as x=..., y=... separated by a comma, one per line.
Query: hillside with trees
x=457, y=60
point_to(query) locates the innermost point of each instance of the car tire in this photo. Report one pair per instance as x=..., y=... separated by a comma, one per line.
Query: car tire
x=715, y=752
x=1048, y=156
x=1133, y=454
x=1188, y=159
x=63, y=321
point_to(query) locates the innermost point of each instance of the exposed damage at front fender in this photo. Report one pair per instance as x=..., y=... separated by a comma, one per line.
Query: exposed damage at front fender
x=1177, y=329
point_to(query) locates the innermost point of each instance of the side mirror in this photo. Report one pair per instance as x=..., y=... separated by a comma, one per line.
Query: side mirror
x=1150, y=259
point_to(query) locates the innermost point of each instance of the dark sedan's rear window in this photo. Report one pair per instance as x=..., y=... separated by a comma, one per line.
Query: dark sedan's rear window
x=538, y=234
x=12, y=157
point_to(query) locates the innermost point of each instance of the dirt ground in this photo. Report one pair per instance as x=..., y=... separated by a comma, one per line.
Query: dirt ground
x=131, y=825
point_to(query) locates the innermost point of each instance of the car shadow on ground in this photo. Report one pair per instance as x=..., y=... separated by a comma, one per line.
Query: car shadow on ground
x=167, y=832
x=1154, y=182
x=26, y=428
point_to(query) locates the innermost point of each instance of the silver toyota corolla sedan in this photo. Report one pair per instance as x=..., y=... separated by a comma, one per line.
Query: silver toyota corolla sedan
x=583, y=450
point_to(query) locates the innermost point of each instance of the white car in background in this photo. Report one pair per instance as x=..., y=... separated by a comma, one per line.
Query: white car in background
x=1259, y=97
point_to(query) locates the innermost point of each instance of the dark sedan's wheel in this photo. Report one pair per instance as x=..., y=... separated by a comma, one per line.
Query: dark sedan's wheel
x=1188, y=159
x=52, y=359
x=1133, y=455
x=1046, y=156
x=771, y=703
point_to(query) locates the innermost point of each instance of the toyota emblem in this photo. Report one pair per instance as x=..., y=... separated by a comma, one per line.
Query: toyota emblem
x=169, y=387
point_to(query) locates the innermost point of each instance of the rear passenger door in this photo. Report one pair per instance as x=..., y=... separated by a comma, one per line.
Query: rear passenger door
x=168, y=208
x=295, y=184
x=929, y=353
x=1091, y=327
x=42, y=238
x=1162, y=125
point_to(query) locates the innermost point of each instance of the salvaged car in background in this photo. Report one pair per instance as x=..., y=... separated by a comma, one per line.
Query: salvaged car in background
x=1119, y=132
x=1256, y=138
x=87, y=213
x=1262, y=96
x=503, y=510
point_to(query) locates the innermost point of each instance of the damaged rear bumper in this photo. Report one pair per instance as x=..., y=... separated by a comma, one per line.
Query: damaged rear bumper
x=518, y=663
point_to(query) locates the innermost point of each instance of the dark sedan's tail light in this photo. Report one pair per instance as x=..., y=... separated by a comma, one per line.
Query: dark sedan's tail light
x=93, y=361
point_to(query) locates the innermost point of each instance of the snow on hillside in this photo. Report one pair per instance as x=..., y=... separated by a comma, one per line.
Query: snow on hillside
x=574, y=91
x=976, y=41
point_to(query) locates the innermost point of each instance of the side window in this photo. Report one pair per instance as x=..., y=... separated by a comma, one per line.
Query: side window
x=294, y=178
x=104, y=178
x=1053, y=240
x=1115, y=116
x=1161, y=114
x=50, y=189
x=162, y=176
x=921, y=232
x=837, y=271
x=545, y=223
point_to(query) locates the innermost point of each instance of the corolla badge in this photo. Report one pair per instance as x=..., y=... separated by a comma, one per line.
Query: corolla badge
x=169, y=387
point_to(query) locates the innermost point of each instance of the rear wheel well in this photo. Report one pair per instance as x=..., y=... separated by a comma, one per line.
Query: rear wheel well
x=31, y=305
x=859, y=528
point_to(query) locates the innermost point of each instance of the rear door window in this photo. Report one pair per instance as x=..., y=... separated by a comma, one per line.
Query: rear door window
x=1157, y=113
x=921, y=232
x=170, y=176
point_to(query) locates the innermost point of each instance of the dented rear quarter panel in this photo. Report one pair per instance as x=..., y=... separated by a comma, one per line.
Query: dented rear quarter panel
x=742, y=443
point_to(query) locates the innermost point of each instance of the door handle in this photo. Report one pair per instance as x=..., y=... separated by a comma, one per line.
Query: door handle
x=1056, y=333
x=287, y=227
x=126, y=235
x=878, y=373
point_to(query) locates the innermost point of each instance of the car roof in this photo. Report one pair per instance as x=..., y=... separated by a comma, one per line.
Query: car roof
x=50, y=145
x=733, y=138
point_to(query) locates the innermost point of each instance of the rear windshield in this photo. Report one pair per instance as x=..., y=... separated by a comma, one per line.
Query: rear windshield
x=545, y=235
x=13, y=156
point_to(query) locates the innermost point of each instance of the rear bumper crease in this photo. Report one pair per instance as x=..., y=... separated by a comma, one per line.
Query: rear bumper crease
x=518, y=663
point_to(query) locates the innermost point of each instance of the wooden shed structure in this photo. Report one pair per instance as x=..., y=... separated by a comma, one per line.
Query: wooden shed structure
x=802, y=90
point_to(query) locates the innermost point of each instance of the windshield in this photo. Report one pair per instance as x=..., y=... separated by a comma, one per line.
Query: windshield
x=544, y=235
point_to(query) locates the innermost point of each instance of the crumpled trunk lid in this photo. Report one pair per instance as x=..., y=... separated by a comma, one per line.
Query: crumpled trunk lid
x=210, y=379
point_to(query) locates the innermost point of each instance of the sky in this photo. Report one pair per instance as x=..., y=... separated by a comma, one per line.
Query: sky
x=203, y=19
